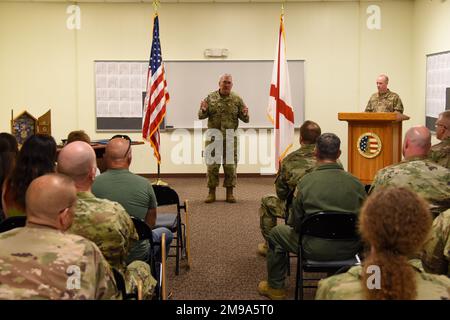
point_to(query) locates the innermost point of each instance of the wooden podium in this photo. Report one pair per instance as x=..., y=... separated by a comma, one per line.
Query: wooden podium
x=374, y=142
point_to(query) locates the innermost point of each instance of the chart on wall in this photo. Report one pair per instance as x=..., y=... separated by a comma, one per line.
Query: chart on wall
x=437, y=87
x=119, y=86
x=118, y=94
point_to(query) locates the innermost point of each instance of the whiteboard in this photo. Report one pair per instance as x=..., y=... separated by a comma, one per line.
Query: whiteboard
x=189, y=82
x=437, y=87
x=119, y=87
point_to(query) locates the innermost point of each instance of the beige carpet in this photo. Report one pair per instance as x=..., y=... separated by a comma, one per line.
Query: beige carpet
x=224, y=238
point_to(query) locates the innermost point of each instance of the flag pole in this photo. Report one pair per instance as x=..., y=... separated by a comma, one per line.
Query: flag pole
x=158, y=180
x=282, y=15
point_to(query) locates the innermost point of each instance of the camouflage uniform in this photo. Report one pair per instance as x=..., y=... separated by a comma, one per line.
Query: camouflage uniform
x=38, y=262
x=223, y=113
x=440, y=153
x=108, y=225
x=385, y=102
x=293, y=167
x=348, y=286
x=428, y=179
x=436, y=251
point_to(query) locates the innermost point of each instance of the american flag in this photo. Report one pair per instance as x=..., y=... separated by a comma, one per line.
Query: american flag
x=280, y=110
x=157, y=95
x=368, y=144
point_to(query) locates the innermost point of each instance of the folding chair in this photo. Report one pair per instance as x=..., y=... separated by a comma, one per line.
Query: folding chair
x=339, y=226
x=12, y=223
x=166, y=196
x=145, y=233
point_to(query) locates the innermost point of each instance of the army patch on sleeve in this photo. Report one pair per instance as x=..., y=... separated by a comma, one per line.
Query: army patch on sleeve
x=369, y=145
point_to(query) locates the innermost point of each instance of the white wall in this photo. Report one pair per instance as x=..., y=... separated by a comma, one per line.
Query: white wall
x=37, y=64
x=431, y=35
x=44, y=65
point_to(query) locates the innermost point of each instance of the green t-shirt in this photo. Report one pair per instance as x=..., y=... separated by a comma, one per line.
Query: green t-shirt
x=134, y=193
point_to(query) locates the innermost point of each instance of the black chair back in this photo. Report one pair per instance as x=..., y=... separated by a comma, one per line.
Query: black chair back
x=12, y=223
x=165, y=195
x=145, y=233
x=142, y=229
x=331, y=225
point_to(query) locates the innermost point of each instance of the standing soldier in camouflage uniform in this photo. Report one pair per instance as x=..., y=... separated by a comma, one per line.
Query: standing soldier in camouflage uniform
x=41, y=261
x=394, y=222
x=103, y=221
x=293, y=167
x=223, y=108
x=440, y=153
x=436, y=251
x=385, y=100
x=418, y=173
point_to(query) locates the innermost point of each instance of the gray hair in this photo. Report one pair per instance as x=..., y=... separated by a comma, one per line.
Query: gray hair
x=225, y=75
x=385, y=77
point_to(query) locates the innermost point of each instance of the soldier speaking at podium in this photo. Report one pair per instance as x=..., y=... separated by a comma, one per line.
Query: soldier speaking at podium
x=384, y=100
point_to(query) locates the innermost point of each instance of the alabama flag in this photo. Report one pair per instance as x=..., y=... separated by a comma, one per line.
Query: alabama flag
x=280, y=110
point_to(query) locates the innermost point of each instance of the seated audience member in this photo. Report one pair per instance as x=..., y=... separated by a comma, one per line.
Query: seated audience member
x=80, y=135
x=104, y=222
x=8, y=142
x=133, y=192
x=36, y=158
x=436, y=251
x=8, y=154
x=394, y=222
x=440, y=153
x=418, y=173
x=293, y=167
x=41, y=261
x=327, y=188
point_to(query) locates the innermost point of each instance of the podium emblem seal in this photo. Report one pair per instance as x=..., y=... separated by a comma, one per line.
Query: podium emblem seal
x=369, y=145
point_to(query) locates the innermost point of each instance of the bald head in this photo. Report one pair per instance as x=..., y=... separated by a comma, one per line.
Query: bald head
x=417, y=142
x=50, y=201
x=77, y=160
x=117, y=155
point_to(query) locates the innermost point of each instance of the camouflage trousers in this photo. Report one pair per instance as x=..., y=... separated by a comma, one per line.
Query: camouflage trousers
x=271, y=209
x=436, y=250
x=139, y=270
x=229, y=166
x=213, y=175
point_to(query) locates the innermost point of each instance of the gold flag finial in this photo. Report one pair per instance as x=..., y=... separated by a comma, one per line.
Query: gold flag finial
x=156, y=4
x=282, y=8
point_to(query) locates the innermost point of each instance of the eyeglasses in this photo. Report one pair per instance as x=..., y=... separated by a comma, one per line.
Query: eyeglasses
x=123, y=136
